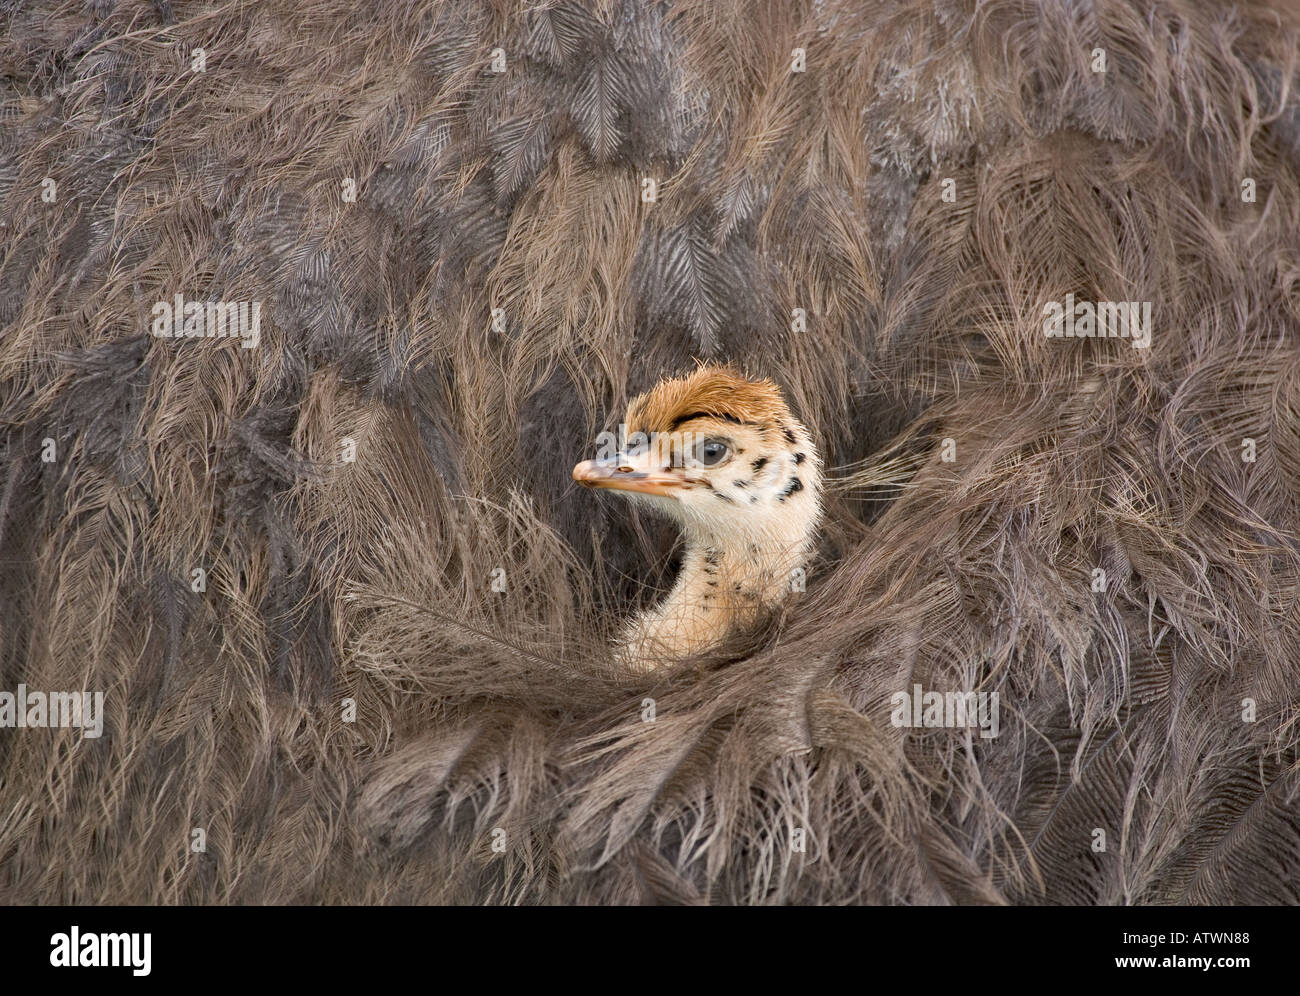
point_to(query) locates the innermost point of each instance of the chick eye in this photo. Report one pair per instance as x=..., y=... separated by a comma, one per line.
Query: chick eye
x=712, y=452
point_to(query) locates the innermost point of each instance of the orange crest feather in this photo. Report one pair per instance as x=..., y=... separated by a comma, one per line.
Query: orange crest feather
x=710, y=390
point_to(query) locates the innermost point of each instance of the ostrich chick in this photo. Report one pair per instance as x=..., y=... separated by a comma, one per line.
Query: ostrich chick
x=722, y=456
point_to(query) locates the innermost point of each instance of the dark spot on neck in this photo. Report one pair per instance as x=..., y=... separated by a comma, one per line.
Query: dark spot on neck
x=794, y=485
x=789, y=436
x=800, y=457
x=759, y=464
x=741, y=484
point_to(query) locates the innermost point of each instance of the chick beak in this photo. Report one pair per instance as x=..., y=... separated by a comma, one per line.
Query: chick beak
x=629, y=473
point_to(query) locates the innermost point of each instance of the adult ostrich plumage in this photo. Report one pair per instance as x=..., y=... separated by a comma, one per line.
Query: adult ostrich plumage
x=351, y=613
